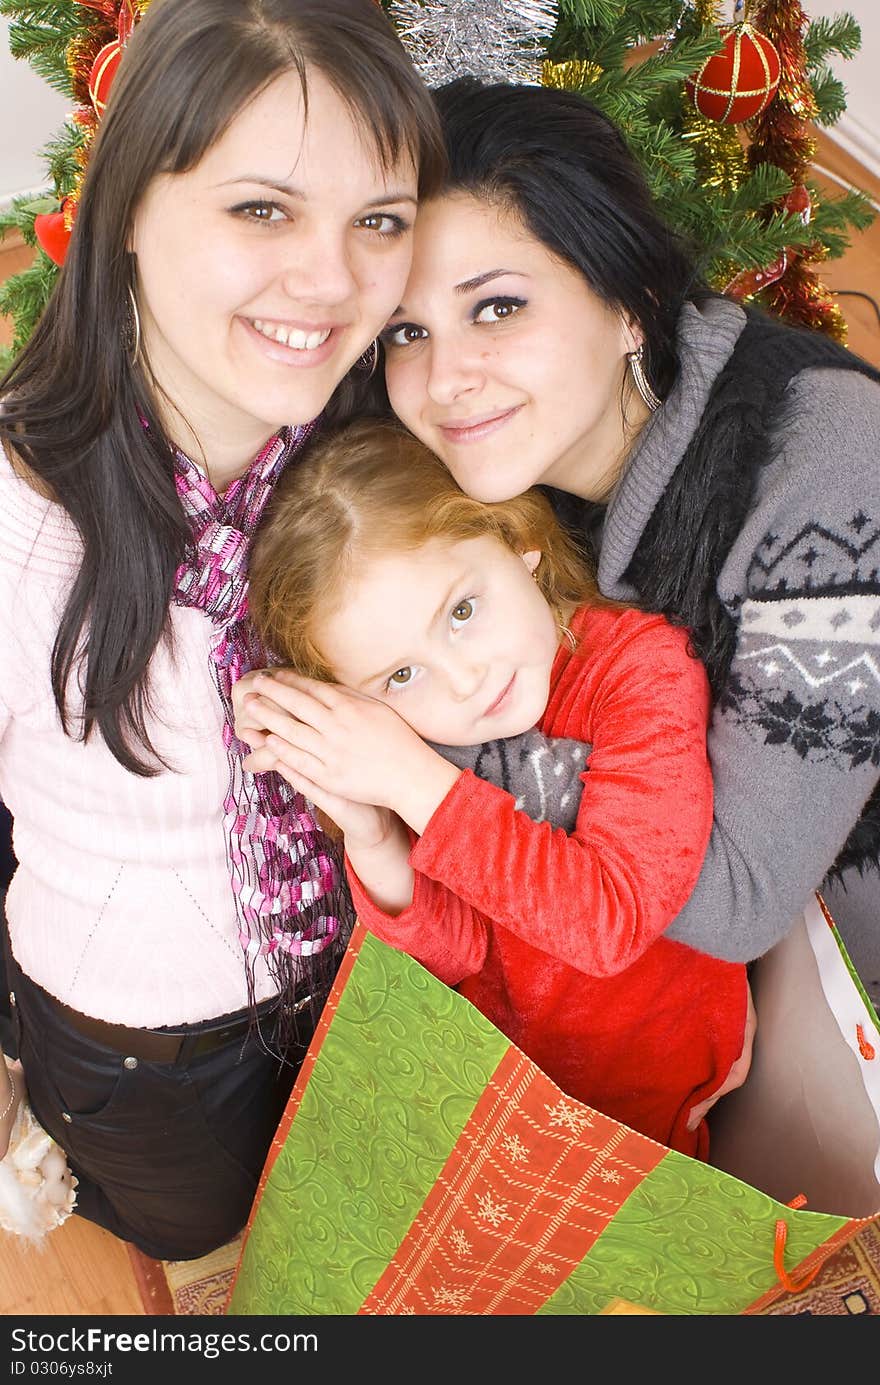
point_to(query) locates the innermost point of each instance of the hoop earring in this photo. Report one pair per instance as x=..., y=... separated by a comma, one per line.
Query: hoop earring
x=569, y=637
x=640, y=379
x=133, y=328
x=370, y=359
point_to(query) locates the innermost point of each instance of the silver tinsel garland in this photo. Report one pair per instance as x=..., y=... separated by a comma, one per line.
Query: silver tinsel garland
x=498, y=40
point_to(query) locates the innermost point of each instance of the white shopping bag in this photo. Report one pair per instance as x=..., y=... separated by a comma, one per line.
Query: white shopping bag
x=807, y=1120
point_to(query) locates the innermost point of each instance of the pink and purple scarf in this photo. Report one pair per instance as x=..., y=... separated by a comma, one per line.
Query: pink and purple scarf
x=285, y=872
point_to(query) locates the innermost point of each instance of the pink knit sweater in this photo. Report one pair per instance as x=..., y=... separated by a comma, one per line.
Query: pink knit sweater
x=121, y=905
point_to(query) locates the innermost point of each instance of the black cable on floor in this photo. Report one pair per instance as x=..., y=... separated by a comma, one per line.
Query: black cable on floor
x=857, y=293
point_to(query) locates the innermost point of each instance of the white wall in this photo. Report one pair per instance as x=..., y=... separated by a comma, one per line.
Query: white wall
x=858, y=129
x=31, y=112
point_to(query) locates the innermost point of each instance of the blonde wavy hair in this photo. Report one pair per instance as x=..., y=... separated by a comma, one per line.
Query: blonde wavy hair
x=368, y=489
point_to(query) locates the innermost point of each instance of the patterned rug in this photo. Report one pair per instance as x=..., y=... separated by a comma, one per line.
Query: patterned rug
x=178, y=1287
x=848, y=1284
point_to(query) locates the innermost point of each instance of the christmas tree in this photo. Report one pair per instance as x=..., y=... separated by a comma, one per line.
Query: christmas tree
x=719, y=113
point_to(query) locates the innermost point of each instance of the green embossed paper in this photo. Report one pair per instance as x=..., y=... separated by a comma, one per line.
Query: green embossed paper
x=426, y=1166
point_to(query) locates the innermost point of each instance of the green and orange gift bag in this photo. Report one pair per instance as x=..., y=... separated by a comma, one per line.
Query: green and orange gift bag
x=426, y=1166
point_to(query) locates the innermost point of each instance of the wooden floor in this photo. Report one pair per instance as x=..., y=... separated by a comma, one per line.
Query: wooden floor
x=79, y=1271
x=82, y=1270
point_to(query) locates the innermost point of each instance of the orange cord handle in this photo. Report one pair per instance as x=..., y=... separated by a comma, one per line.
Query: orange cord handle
x=785, y=1279
x=865, y=1047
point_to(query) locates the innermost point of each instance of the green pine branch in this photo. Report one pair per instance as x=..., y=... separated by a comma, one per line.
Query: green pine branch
x=19, y=216
x=766, y=183
x=23, y=298
x=40, y=32
x=748, y=242
x=841, y=35
x=61, y=156
x=830, y=94
x=605, y=33
x=589, y=14
x=668, y=163
x=620, y=92
x=835, y=218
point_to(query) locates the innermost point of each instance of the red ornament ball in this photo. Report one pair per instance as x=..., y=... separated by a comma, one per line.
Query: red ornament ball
x=740, y=81
x=102, y=74
x=53, y=235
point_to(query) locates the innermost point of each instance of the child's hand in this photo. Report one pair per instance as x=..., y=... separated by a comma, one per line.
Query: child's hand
x=247, y=728
x=346, y=745
x=363, y=825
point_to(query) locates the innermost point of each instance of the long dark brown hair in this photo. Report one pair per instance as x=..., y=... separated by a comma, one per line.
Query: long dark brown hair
x=74, y=406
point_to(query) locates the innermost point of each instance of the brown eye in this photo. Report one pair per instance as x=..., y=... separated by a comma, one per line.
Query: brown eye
x=403, y=335
x=498, y=309
x=267, y=213
x=401, y=677
x=383, y=222
x=463, y=611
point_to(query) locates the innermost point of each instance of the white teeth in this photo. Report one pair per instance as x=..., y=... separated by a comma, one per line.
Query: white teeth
x=291, y=336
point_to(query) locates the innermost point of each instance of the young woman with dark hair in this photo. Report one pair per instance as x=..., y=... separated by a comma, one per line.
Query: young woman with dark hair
x=721, y=465
x=242, y=235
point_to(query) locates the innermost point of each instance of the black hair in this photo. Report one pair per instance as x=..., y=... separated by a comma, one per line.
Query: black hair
x=565, y=169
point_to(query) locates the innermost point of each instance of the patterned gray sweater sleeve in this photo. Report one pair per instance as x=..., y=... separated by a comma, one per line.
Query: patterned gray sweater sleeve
x=543, y=774
x=795, y=738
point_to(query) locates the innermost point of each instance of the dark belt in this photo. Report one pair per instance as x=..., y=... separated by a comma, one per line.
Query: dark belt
x=168, y=1045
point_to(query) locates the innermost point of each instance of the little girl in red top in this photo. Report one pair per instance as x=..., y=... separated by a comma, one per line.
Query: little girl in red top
x=414, y=614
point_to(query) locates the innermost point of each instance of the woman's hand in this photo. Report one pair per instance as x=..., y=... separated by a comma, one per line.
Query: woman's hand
x=346, y=747
x=738, y=1073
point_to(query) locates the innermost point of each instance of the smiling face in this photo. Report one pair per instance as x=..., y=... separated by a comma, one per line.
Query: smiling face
x=454, y=635
x=264, y=272
x=504, y=362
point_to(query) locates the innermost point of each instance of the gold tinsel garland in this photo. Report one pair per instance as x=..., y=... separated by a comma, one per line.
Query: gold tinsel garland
x=574, y=75
x=782, y=136
x=79, y=59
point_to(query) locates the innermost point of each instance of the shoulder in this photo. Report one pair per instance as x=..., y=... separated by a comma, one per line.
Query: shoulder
x=15, y=467
x=841, y=404
x=824, y=443
x=628, y=638
x=35, y=532
x=602, y=626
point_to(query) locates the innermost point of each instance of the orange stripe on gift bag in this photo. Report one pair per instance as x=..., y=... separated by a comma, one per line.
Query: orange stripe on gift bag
x=532, y=1182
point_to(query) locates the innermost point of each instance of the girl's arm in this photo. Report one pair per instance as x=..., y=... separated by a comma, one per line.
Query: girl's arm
x=595, y=899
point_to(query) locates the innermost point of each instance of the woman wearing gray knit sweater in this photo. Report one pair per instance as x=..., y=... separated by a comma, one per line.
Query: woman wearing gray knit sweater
x=722, y=467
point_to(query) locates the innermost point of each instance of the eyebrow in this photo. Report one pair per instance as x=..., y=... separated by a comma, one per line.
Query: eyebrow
x=469, y=285
x=461, y=580
x=291, y=190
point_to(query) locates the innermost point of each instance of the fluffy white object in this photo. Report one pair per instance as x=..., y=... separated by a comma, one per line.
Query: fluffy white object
x=37, y=1189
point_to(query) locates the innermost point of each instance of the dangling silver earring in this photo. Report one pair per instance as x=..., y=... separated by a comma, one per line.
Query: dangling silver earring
x=133, y=328
x=370, y=359
x=640, y=379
